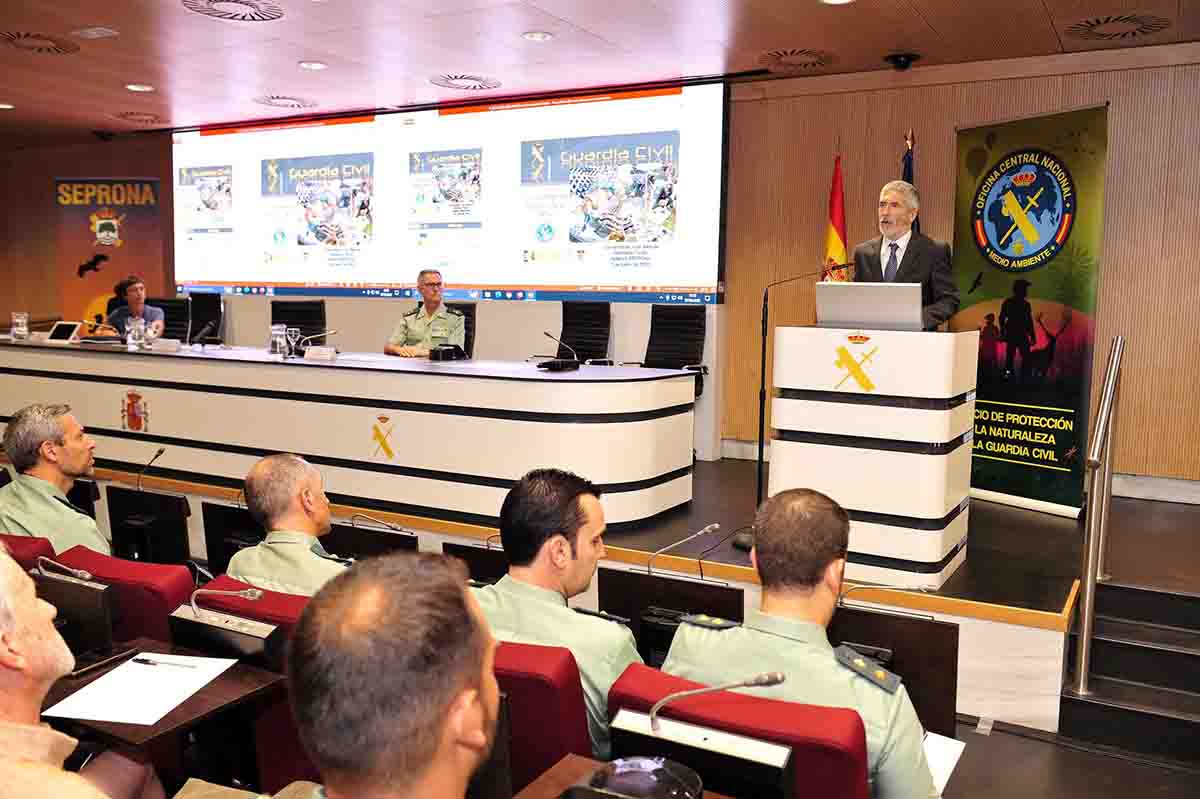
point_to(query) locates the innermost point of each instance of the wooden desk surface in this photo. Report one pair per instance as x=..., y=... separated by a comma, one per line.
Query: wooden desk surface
x=236, y=685
x=566, y=773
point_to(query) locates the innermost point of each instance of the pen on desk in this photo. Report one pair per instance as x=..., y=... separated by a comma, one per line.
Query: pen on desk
x=149, y=662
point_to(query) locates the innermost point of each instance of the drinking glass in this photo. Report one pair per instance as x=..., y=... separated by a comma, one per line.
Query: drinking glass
x=20, y=325
x=135, y=332
x=293, y=338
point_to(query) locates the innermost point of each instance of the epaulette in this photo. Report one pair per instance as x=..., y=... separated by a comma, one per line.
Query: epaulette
x=453, y=311
x=865, y=667
x=412, y=312
x=708, y=622
x=599, y=614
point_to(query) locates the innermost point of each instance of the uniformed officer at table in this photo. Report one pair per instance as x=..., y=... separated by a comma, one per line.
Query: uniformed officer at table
x=801, y=539
x=552, y=527
x=286, y=495
x=429, y=324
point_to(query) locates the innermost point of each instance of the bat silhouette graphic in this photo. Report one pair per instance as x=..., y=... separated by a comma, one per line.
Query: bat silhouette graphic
x=93, y=265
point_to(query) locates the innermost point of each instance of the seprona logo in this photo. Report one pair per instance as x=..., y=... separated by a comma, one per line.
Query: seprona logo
x=1023, y=211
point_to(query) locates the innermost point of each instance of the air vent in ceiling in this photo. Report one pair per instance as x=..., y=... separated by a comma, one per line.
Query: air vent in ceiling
x=470, y=83
x=38, y=43
x=795, y=61
x=236, y=10
x=285, y=101
x=140, y=117
x=1118, y=26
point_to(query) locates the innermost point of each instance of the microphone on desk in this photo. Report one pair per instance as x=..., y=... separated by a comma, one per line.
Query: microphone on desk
x=380, y=522
x=302, y=342
x=910, y=589
x=560, y=364
x=710, y=528
x=208, y=328
x=43, y=562
x=245, y=593
x=764, y=680
x=487, y=543
x=157, y=455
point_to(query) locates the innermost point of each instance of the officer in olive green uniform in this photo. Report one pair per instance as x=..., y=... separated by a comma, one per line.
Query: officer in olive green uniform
x=35, y=507
x=288, y=562
x=713, y=651
x=418, y=329
x=526, y=614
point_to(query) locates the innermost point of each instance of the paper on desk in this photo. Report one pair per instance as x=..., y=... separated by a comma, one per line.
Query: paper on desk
x=942, y=753
x=137, y=693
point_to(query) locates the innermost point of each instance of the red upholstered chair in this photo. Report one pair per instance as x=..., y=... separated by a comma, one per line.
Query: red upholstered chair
x=829, y=747
x=146, y=593
x=281, y=756
x=548, y=715
x=25, y=549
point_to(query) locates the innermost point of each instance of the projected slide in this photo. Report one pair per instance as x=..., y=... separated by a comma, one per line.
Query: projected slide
x=615, y=197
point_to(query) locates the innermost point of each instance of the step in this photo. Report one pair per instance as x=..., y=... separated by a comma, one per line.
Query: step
x=1142, y=603
x=1151, y=654
x=1159, y=722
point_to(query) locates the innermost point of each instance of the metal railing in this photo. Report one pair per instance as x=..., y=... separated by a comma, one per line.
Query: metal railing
x=1099, y=475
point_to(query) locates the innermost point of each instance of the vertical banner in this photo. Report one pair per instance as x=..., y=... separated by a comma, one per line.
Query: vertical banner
x=108, y=228
x=1029, y=214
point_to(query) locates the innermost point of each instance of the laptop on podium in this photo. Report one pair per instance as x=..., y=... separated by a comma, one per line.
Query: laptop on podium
x=869, y=306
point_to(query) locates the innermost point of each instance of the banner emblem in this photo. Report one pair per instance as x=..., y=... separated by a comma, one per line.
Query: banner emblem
x=135, y=415
x=854, y=368
x=1024, y=209
x=106, y=224
x=381, y=434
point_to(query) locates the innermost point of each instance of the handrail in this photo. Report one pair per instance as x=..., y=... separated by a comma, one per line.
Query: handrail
x=1099, y=468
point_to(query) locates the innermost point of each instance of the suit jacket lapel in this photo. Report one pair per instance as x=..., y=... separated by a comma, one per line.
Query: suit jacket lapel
x=910, y=255
x=875, y=273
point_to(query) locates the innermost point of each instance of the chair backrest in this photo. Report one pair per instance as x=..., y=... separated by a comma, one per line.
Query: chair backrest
x=585, y=327
x=25, y=550
x=146, y=593
x=282, y=610
x=175, y=313
x=829, y=747
x=549, y=718
x=468, y=311
x=5, y=476
x=308, y=315
x=676, y=336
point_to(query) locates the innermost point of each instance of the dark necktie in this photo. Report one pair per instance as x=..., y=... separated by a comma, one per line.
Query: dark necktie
x=889, y=273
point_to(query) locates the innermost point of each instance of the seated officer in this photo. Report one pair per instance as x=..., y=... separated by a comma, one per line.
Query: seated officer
x=800, y=543
x=429, y=324
x=392, y=683
x=552, y=528
x=49, y=450
x=285, y=494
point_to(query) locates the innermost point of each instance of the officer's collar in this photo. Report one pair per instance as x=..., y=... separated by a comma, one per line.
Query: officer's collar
x=41, y=486
x=795, y=629
x=290, y=537
x=507, y=583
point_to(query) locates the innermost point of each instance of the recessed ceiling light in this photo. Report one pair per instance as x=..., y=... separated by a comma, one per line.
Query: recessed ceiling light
x=470, y=83
x=6, y=107
x=97, y=32
x=313, y=66
x=139, y=87
x=837, y=2
x=537, y=36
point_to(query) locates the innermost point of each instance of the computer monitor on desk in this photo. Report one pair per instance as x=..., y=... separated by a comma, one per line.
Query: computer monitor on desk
x=86, y=607
x=869, y=306
x=485, y=564
x=148, y=526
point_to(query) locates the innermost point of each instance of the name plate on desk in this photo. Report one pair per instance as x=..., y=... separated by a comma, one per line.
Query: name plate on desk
x=320, y=354
x=165, y=345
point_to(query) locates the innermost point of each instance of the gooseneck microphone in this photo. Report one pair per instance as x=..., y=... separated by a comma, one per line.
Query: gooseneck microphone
x=245, y=593
x=208, y=328
x=157, y=455
x=710, y=528
x=546, y=333
x=764, y=680
x=559, y=364
x=304, y=341
x=43, y=562
x=380, y=522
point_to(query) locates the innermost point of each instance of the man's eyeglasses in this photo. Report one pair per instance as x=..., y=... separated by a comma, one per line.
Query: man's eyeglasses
x=429, y=285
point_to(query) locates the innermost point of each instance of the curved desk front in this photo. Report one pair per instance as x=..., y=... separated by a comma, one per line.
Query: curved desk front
x=441, y=440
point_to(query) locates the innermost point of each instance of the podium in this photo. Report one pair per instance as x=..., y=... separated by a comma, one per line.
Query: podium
x=882, y=422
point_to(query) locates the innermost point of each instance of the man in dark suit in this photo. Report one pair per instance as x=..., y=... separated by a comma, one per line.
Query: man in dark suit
x=903, y=256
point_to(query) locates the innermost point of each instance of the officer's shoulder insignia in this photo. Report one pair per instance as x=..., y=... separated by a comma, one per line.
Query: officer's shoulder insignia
x=708, y=622
x=453, y=311
x=413, y=312
x=868, y=669
x=599, y=614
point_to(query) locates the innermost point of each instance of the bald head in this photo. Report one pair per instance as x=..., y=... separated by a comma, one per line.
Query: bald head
x=286, y=492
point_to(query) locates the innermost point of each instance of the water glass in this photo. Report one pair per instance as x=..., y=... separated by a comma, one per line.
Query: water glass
x=293, y=338
x=277, y=343
x=135, y=332
x=20, y=325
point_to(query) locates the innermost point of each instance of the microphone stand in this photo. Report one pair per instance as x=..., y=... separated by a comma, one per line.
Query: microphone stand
x=762, y=370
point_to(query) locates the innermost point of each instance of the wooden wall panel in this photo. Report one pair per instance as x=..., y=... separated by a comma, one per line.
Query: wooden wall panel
x=1151, y=228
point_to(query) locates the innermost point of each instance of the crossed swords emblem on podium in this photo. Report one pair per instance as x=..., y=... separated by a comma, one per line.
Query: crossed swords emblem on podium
x=854, y=368
x=381, y=434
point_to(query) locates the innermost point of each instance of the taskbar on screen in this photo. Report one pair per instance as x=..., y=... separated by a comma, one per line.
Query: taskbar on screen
x=508, y=294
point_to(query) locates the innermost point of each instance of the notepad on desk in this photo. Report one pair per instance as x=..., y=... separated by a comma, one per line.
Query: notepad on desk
x=141, y=690
x=942, y=754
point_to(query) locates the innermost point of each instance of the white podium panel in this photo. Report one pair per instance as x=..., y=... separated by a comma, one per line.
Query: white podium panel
x=882, y=422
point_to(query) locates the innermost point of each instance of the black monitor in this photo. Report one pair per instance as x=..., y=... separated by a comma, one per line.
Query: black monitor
x=85, y=607
x=486, y=565
x=148, y=526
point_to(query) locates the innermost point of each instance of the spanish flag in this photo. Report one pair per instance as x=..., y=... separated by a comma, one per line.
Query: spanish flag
x=835, y=236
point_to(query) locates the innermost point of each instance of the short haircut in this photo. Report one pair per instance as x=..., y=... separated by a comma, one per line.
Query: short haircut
x=122, y=286
x=131, y=281
x=425, y=272
x=378, y=656
x=543, y=503
x=906, y=190
x=797, y=534
x=271, y=485
x=28, y=428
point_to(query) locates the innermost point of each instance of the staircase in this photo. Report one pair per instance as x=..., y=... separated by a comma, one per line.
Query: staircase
x=1145, y=675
